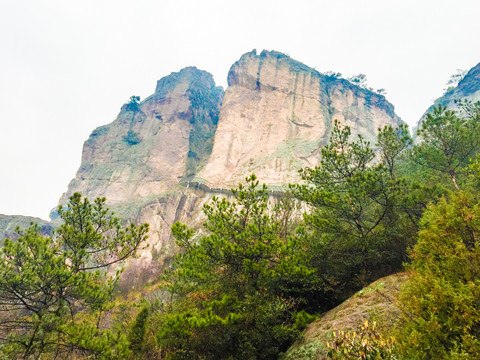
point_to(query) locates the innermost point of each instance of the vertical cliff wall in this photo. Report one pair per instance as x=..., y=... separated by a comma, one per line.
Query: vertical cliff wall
x=276, y=115
x=151, y=146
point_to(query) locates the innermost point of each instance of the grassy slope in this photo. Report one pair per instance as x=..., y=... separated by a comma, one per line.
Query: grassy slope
x=376, y=302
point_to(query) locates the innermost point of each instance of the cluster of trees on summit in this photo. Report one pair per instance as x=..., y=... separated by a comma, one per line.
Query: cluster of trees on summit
x=261, y=269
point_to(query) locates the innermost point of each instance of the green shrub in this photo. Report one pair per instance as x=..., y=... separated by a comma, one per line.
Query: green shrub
x=131, y=138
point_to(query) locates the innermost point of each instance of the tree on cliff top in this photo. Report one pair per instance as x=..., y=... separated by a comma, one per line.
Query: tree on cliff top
x=53, y=290
x=449, y=141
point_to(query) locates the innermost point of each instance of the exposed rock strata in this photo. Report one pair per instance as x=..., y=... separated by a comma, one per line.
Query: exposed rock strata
x=167, y=124
x=276, y=115
x=138, y=161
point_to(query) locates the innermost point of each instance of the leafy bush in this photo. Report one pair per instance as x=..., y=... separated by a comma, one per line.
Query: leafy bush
x=442, y=299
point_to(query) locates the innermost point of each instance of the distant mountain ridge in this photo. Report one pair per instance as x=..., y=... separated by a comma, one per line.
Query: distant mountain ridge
x=8, y=224
x=467, y=89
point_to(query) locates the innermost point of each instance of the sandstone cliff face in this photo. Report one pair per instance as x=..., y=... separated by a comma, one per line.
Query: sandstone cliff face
x=276, y=115
x=155, y=162
x=138, y=161
x=149, y=148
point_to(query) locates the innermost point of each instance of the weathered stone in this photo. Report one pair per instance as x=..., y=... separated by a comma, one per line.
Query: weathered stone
x=276, y=115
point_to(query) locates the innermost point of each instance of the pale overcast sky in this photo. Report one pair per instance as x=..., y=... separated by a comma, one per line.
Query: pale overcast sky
x=66, y=67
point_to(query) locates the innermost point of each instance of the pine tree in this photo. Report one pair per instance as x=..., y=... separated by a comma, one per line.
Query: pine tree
x=232, y=285
x=54, y=289
x=360, y=222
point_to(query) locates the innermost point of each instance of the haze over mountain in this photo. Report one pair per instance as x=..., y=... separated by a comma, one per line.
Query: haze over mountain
x=163, y=158
x=68, y=66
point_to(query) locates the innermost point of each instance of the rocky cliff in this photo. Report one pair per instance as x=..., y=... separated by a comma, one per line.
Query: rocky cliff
x=138, y=161
x=467, y=89
x=163, y=158
x=276, y=115
x=152, y=145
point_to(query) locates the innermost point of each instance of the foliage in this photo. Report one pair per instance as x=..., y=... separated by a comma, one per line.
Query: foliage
x=137, y=332
x=131, y=138
x=360, y=224
x=381, y=91
x=233, y=284
x=52, y=290
x=368, y=344
x=205, y=105
x=455, y=79
x=442, y=299
x=361, y=81
x=392, y=144
x=448, y=142
x=308, y=351
x=332, y=75
x=134, y=104
x=469, y=109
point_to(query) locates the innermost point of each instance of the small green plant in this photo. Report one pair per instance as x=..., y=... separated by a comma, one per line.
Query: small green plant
x=131, y=138
x=310, y=351
x=361, y=81
x=368, y=344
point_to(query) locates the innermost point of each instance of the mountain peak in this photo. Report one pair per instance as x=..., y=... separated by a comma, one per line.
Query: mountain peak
x=191, y=76
x=471, y=82
x=467, y=89
x=252, y=63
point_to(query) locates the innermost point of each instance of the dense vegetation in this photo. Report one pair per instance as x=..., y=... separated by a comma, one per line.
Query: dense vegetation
x=54, y=290
x=247, y=283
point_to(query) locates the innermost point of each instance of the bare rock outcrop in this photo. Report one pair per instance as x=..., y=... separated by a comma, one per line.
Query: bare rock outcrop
x=139, y=161
x=152, y=145
x=276, y=115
